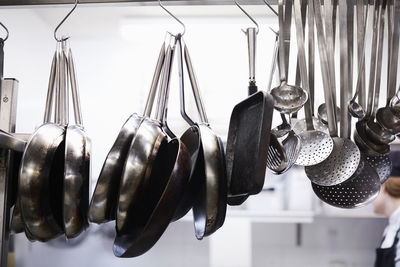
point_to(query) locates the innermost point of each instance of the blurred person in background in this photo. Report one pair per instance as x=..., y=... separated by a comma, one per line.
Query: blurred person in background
x=388, y=204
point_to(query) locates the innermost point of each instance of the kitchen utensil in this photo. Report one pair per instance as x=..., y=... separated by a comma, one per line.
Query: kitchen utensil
x=356, y=192
x=192, y=140
x=248, y=137
x=144, y=162
x=386, y=116
x=366, y=145
x=77, y=164
x=311, y=140
x=35, y=177
x=288, y=98
x=382, y=164
x=345, y=156
x=178, y=171
x=356, y=109
x=105, y=197
x=209, y=207
x=277, y=159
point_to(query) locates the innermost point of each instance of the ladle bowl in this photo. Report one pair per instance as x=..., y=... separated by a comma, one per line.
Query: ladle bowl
x=289, y=98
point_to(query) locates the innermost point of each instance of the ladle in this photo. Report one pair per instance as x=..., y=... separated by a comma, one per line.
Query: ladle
x=288, y=98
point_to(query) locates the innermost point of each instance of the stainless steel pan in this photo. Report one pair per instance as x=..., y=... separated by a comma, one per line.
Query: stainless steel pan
x=105, y=197
x=35, y=178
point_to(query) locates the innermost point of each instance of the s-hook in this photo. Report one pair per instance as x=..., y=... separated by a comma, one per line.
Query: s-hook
x=64, y=19
x=172, y=15
x=248, y=15
x=7, y=33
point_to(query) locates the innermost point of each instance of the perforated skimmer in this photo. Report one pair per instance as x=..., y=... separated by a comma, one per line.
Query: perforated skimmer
x=316, y=146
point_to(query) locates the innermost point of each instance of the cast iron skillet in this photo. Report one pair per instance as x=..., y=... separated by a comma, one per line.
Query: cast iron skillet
x=105, y=197
x=152, y=208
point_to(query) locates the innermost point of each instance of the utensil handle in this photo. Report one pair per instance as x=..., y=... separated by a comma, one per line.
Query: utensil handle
x=50, y=90
x=195, y=87
x=302, y=62
x=287, y=33
x=57, y=106
x=154, y=82
x=330, y=107
x=65, y=87
x=273, y=64
x=373, y=60
x=251, y=42
x=282, y=67
x=184, y=115
x=74, y=90
x=379, y=58
x=395, y=50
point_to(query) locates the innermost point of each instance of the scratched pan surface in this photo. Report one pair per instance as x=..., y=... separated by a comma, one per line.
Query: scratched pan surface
x=39, y=172
x=103, y=206
x=210, y=200
x=163, y=190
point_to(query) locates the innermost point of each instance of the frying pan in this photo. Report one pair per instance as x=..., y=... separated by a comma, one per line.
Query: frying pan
x=76, y=173
x=209, y=207
x=35, y=177
x=175, y=167
x=144, y=161
x=192, y=140
x=248, y=139
x=105, y=197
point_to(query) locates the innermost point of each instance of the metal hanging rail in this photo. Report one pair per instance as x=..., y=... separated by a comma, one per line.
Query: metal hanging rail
x=133, y=2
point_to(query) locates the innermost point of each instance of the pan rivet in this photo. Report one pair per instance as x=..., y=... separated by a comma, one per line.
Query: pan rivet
x=5, y=99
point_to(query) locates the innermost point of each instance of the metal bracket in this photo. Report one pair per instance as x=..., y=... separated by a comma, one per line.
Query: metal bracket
x=8, y=113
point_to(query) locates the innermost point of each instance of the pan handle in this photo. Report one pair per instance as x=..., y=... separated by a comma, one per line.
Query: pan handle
x=155, y=81
x=195, y=87
x=50, y=90
x=74, y=90
x=184, y=115
x=251, y=41
x=164, y=94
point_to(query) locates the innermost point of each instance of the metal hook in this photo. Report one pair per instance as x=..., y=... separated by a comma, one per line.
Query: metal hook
x=248, y=15
x=172, y=15
x=270, y=7
x=5, y=28
x=64, y=19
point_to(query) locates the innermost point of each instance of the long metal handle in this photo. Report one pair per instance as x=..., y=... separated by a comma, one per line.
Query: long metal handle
x=394, y=50
x=57, y=106
x=379, y=58
x=251, y=42
x=74, y=90
x=184, y=115
x=311, y=54
x=330, y=107
x=154, y=82
x=50, y=89
x=361, y=30
x=282, y=67
x=64, y=81
x=273, y=64
x=195, y=87
x=373, y=59
x=344, y=70
x=302, y=63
